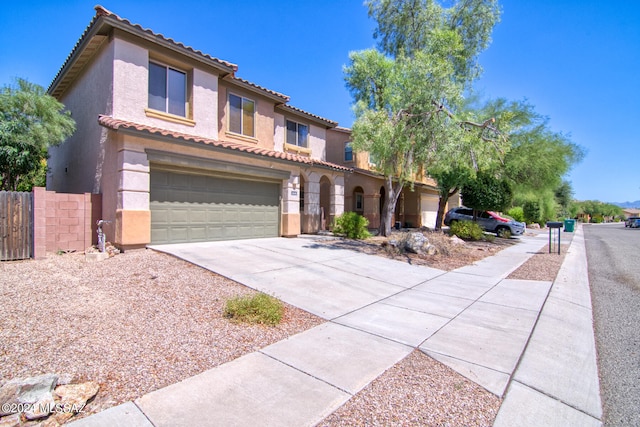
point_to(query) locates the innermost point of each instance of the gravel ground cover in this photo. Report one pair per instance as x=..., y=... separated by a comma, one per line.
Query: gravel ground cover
x=143, y=320
x=134, y=323
x=418, y=391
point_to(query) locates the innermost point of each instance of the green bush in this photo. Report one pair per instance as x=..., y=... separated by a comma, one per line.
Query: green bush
x=597, y=219
x=259, y=308
x=532, y=212
x=467, y=230
x=516, y=213
x=352, y=226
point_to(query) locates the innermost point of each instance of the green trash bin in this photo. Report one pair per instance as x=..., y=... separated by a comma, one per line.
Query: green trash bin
x=569, y=225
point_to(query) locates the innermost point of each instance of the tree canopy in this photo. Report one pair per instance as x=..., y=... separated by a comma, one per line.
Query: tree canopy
x=31, y=122
x=406, y=95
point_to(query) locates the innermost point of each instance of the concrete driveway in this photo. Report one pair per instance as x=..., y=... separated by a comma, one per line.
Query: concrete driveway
x=322, y=280
x=470, y=319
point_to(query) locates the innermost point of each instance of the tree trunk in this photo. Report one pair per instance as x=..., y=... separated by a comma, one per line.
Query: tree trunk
x=393, y=193
x=442, y=205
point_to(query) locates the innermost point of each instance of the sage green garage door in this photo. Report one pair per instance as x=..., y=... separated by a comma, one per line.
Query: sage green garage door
x=200, y=208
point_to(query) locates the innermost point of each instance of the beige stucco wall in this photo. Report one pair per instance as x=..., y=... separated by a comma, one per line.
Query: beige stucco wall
x=336, y=138
x=279, y=133
x=76, y=166
x=317, y=142
x=131, y=86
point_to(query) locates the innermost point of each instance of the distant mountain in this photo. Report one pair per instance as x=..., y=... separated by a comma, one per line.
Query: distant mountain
x=635, y=204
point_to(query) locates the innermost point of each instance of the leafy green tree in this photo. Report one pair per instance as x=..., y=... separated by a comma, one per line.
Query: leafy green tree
x=487, y=128
x=31, y=122
x=406, y=27
x=405, y=96
x=487, y=193
x=564, y=197
x=539, y=158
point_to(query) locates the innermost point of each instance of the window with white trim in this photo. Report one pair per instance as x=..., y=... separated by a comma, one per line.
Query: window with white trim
x=242, y=115
x=167, y=89
x=348, y=152
x=297, y=134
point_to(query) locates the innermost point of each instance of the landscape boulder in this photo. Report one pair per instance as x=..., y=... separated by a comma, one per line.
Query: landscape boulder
x=417, y=243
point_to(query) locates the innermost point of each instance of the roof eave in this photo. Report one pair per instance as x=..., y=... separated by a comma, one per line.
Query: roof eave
x=288, y=109
x=101, y=28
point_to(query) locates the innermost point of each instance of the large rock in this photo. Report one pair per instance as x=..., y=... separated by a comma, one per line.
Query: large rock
x=12, y=420
x=417, y=243
x=35, y=392
x=455, y=240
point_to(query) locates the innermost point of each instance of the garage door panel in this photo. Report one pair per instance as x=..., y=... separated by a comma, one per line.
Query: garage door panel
x=189, y=208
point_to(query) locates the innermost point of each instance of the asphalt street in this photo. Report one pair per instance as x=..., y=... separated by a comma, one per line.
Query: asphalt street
x=614, y=274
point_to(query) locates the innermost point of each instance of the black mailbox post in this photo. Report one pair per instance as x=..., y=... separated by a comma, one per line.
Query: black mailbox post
x=554, y=226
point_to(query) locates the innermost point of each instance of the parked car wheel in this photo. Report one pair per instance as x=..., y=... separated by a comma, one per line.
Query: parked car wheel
x=503, y=232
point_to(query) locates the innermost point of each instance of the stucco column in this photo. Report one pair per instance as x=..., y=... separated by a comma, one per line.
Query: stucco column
x=133, y=217
x=291, y=206
x=337, y=199
x=312, y=203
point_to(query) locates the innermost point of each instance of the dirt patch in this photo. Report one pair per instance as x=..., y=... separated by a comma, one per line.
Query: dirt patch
x=451, y=253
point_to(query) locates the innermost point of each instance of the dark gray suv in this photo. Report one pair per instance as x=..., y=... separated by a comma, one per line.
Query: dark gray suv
x=487, y=220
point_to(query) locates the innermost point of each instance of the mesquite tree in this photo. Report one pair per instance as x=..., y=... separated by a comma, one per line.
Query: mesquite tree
x=406, y=94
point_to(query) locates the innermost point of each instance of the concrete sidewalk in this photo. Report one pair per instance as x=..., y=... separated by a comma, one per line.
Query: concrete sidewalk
x=378, y=311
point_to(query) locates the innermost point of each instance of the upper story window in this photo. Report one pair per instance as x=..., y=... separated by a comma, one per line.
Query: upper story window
x=242, y=115
x=167, y=89
x=297, y=134
x=348, y=152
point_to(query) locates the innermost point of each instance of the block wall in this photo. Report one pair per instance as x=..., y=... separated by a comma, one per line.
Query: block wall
x=64, y=221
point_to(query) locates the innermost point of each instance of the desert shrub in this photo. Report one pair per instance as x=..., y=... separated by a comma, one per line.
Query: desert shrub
x=489, y=237
x=259, y=308
x=516, y=213
x=597, y=219
x=351, y=225
x=467, y=230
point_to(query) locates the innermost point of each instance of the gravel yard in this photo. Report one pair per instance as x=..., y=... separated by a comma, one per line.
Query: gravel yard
x=134, y=323
x=143, y=320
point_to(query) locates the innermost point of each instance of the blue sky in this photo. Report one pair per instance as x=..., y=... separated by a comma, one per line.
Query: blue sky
x=577, y=61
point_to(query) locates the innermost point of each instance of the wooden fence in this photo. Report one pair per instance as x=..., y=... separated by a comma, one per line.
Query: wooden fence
x=16, y=225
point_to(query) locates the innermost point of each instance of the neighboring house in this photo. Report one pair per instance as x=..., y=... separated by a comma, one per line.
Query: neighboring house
x=182, y=149
x=364, y=190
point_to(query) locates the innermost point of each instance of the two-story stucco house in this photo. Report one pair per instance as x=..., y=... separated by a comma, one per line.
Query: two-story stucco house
x=364, y=190
x=182, y=149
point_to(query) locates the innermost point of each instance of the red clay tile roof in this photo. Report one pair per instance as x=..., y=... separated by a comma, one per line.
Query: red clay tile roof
x=116, y=124
x=112, y=19
x=101, y=11
x=233, y=78
x=327, y=122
